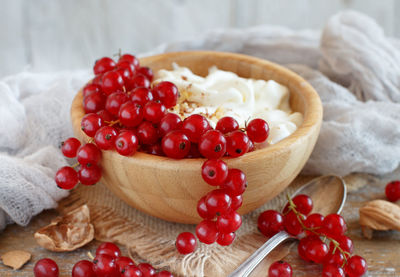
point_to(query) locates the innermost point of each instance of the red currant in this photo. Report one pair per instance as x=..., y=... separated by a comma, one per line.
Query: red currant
x=257, y=130
x=126, y=70
x=202, y=209
x=105, y=137
x=226, y=239
x=229, y=222
x=194, y=151
x=270, y=222
x=292, y=224
x=168, y=123
x=141, y=96
x=130, y=114
x=218, y=202
x=66, y=178
x=303, y=246
x=105, y=266
x=333, y=226
x=212, y=144
x=146, y=71
x=112, y=81
x=126, y=143
x=392, y=191
x=330, y=270
x=106, y=116
x=186, y=243
x=90, y=88
x=313, y=221
x=176, y=144
x=94, y=102
x=88, y=154
x=237, y=143
x=235, y=183
x=154, y=111
x=336, y=258
x=83, y=268
x=114, y=102
x=97, y=80
x=103, y=65
x=147, y=133
x=154, y=149
x=345, y=243
x=227, y=124
x=46, y=268
x=108, y=248
x=131, y=271
x=237, y=202
x=316, y=250
x=207, y=232
x=69, y=147
x=356, y=266
x=123, y=262
x=303, y=204
x=214, y=172
x=280, y=269
x=164, y=273
x=147, y=270
x=89, y=174
x=195, y=126
x=167, y=93
x=129, y=58
x=90, y=123
x=139, y=80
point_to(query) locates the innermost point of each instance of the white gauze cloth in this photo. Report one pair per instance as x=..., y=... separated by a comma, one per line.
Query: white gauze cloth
x=353, y=66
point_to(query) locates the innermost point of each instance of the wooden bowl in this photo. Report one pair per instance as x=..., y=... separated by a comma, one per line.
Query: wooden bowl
x=169, y=189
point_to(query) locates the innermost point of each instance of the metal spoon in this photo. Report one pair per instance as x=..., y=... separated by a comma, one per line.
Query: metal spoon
x=328, y=194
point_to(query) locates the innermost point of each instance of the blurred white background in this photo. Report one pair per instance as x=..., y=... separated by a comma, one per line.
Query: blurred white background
x=48, y=35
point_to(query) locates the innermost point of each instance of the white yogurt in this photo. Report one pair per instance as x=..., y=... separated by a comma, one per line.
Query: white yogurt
x=223, y=93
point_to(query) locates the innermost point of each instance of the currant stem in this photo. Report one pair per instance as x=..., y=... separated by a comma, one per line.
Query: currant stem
x=90, y=256
x=111, y=123
x=75, y=165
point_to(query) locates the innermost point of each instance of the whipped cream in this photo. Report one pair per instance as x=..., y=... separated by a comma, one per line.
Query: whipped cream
x=223, y=93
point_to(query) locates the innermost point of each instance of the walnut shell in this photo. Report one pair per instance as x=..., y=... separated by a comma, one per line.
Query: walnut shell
x=379, y=215
x=67, y=233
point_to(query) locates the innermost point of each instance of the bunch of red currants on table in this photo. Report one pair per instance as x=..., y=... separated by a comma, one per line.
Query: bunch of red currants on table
x=323, y=240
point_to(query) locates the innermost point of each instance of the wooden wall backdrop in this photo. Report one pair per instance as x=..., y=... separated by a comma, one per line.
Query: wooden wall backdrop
x=47, y=35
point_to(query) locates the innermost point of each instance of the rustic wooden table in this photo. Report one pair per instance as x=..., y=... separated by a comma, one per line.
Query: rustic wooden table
x=382, y=252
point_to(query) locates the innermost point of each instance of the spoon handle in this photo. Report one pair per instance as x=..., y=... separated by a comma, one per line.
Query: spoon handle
x=248, y=266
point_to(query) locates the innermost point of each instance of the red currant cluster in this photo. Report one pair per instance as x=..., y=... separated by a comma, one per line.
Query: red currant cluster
x=392, y=191
x=107, y=263
x=318, y=232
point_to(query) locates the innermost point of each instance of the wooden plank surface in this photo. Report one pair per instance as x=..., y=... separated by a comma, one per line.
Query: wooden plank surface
x=382, y=252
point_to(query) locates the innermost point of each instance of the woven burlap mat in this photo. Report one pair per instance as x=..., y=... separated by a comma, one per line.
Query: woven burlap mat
x=152, y=240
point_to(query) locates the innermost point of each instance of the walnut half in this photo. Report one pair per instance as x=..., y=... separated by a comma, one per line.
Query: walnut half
x=67, y=233
x=379, y=215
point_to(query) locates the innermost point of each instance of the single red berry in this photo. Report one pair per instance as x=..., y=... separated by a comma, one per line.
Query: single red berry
x=112, y=82
x=141, y=96
x=202, y=209
x=186, y=243
x=130, y=114
x=164, y=273
x=313, y=221
x=214, y=172
x=218, y=202
x=69, y=147
x=303, y=204
x=88, y=154
x=237, y=143
x=207, y=232
x=227, y=124
x=83, y=268
x=257, y=130
x=303, y=246
x=126, y=143
x=330, y=270
x=226, y=239
x=46, y=268
x=154, y=111
x=235, y=183
x=146, y=71
x=129, y=58
x=280, y=269
x=229, y=222
x=356, y=266
x=333, y=226
x=94, y=102
x=175, y=144
x=114, y=102
x=90, y=88
x=97, y=80
x=103, y=65
x=139, y=80
x=154, y=149
x=167, y=93
x=66, y=178
x=126, y=70
x=106, y=116
x=195, y=126
x=344, y=242
x=168, y=123
x=122, y=262
x=270, y=222
x=194, y=151
x=108, y=248
x=392, y=191
x=131, y=271
x=105, y=137
x=104, y=265
x=90, y=123
x=147, y=270
x=316, y=250
x=89, y=174
x=237, y=202
x=336, y=258
x=292, y=224
x=212, y=144
x=147, y=133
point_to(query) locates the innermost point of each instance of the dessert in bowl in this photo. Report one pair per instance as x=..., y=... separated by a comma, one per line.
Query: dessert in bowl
x=169, y=188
